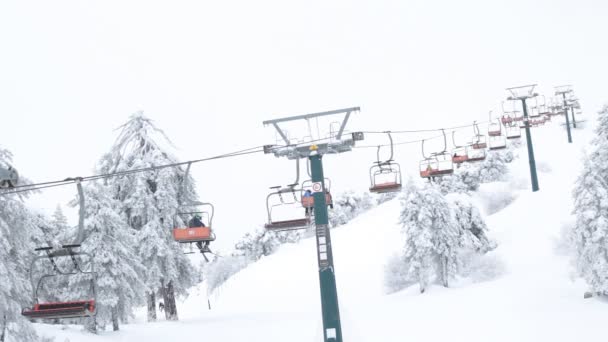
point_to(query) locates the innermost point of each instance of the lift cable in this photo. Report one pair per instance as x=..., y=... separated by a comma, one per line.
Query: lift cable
x=252, y=150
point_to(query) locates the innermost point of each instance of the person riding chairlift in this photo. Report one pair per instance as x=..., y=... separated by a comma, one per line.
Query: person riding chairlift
x=330, y=203
x=196, y=222
x=307, y=194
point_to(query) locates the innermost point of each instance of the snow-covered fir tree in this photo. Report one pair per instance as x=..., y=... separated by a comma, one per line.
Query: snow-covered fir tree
x=494, y=168
x=112, y=244
x=467, y=177
x=218, y=271
x=149, y=201
x=18, y=226
x=263, y=243
x=348, y=205
x=54, y=229
x=432, y=238
x=464, y=179
x=470, y=224
x=590, y=233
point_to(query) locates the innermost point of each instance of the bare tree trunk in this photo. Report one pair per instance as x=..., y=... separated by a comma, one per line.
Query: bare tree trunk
x=163, y=292
x=3, y=328
x=115, y=326
x=91, y=324
x=421, y=283
x=168, y=293
x=151, y=298
x=170, y=304
x=444, y=271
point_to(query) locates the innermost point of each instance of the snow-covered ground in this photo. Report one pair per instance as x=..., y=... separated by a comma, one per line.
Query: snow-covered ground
x=533, y=298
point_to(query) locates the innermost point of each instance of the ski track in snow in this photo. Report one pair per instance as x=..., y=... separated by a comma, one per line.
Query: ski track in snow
x=535, y=299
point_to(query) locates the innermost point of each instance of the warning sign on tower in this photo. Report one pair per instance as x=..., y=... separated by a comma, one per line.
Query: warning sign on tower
x=317, y=187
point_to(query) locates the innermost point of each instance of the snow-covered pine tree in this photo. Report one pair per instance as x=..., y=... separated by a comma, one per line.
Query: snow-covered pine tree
x=432, y=240
x=221, y=269
x=471, y=226
x=348, y=205
x=468, y=176
x=494, y=168
x=263, y=243
x=149, y=201
x=464, y=179
x=590, y=233
x=112, y=244
x=54, y=228
x=17, y=228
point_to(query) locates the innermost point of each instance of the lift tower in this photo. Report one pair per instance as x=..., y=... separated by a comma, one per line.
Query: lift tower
x=563, y=90
x=523, y=93
x=314, y=150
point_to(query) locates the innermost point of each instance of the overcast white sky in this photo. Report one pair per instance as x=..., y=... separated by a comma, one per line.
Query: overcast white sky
x=209, y=72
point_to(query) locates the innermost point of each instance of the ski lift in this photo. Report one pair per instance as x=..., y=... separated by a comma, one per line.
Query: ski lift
x=479, y=140
x=437, y=163
x=385, y=176
x=283, y=197
x=9, y=178
x=65, y=309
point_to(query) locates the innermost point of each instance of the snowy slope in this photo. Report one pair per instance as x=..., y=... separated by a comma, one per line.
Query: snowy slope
x=533, y=299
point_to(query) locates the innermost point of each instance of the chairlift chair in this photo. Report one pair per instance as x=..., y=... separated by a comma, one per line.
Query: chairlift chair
x=193, y=222
x=8, y=177
x=64, y=309
x=495, y=128
x=285, y=196
x=513, y=131
x=460, y=154
x=543, y=107
x=281, y=196
x=390, y=172
x=534, y=110
x=309, y=202
x=479, y=140
x=439, y=164
x=192, y=232
x=477, y=153
x=497, y=142
x=385, y=175
x=436, y=164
